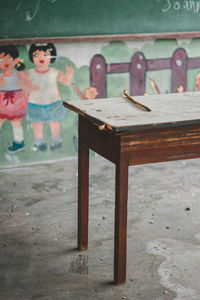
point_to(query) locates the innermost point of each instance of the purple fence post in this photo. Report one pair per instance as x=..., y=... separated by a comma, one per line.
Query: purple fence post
x=137, y=74
x=98, y=75
x=179, y=70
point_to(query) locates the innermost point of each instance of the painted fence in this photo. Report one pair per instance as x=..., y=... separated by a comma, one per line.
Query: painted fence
x=138, y=67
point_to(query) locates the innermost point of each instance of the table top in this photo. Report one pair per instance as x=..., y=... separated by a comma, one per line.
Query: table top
x=120, y=114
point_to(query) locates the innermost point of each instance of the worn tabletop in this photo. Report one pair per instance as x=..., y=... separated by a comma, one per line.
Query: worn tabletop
x=121, y=114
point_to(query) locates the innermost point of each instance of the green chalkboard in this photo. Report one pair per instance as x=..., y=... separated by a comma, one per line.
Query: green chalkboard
x=66, y=18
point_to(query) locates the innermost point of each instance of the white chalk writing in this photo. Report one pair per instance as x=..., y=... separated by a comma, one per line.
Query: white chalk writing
x=187, y=5
x=30, y=15
x=32, y=12
x=18, y=5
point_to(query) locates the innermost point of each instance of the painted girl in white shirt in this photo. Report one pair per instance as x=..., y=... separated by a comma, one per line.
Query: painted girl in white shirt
x=45, y=104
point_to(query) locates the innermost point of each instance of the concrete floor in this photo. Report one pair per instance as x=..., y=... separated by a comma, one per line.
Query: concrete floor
x=38, y=233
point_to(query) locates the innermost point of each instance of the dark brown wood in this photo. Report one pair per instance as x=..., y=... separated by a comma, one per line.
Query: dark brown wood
x=83, y=190
x=102, y=142
x=121, y=195
x=162, y=144
x=132, y=147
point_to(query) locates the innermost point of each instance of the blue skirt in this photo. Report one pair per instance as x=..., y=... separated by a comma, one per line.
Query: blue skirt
x=46, y=113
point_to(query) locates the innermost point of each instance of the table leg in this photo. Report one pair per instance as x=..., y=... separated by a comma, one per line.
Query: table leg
x=83, y=195
x=121, y=195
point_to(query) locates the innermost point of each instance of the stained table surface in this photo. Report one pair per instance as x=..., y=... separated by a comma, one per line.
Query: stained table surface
x=120, y=114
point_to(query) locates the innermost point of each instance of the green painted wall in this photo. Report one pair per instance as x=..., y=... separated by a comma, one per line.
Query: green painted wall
x=79, y=56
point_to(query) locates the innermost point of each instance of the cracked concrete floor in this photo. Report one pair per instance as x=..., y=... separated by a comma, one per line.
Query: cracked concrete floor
x=38, y=233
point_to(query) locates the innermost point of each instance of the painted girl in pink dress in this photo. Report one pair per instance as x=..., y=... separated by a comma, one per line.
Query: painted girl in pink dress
x=13, y=100
x=45, y=104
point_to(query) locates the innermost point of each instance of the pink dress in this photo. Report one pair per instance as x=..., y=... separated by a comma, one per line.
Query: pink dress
x=13, y=100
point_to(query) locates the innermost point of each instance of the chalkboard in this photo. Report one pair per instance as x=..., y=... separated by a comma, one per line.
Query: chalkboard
x=22, y=19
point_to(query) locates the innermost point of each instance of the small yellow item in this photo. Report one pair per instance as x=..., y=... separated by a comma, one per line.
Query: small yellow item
x=109, y=127
x=102, y=127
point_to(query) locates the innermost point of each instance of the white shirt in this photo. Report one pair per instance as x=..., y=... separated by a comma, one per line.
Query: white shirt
x=47, y=83
x=11, y=82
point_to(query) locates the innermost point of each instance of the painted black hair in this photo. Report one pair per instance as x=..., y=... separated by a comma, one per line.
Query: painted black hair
x=14, y=53
x=43, y=47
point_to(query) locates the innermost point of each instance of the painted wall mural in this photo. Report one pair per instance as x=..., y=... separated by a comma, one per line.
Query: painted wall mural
x=36, y=78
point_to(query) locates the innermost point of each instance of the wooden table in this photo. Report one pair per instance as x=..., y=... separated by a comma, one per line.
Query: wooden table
x=125, y=135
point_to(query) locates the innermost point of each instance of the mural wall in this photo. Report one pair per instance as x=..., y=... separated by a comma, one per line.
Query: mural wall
x=36, y=78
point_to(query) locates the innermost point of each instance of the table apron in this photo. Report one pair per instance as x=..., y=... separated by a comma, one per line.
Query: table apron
x=162, y=144
x=142, y=146
x=103, y=142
